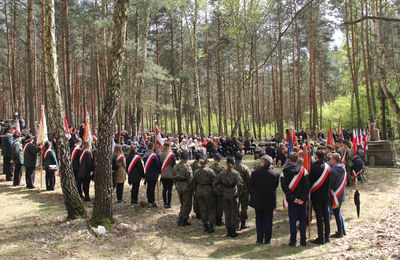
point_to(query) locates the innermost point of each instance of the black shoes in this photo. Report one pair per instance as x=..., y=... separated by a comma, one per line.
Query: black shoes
x=211, y=228
x=292, y=244
x=185, y=222
x=205, y=225
x=243, y=225
x=134, y=202
x=317, y=241
x=336, y=235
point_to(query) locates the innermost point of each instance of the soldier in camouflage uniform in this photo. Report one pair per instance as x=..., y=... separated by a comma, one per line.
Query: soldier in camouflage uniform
x=244, y=195
x=203, y=182
x=183, y=183
x=231, y=184
x=196, y=165
x=218, y=168
x=348, y=160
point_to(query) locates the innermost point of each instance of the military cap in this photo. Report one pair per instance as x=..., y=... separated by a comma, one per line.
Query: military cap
x=217, y=157
x=230, y=160
x=238, y=155
x=185, y=155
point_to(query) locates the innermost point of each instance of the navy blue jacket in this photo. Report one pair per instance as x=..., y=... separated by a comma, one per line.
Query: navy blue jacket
x=154, y=168
x=337, y=176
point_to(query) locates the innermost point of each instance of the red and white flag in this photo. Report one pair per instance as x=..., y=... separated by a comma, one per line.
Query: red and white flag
x=365, y=140
x=42, y=132
x=160, y=141
x=354, y=141
x=361, y=139
x=87, y=133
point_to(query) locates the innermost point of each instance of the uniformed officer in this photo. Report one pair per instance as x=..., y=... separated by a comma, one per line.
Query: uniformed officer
x=183, y=177
x=218, y=168
x=203, y=181
x=231, y=184
x=30, y=158
x=244, y=195
x=196, y=165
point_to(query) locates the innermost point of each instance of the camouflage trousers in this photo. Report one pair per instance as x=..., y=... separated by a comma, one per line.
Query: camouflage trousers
x=185, y=198
x=231, y=213
x=244, y=204
x=206, y=202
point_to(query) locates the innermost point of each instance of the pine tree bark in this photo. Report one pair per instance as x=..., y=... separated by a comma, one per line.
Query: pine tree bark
x=102, y=208
x=72, y=200
x=219, y=76
x=30, y=92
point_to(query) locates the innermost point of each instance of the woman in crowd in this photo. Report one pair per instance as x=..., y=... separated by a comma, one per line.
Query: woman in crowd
x=167, y=158
x=120, y=173
x=50, y=165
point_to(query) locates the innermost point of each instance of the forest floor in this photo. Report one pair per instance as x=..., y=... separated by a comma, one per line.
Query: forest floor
x=33, y=225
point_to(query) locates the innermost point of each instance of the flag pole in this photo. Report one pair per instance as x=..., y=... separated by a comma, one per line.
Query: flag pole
x=41, y=168
x=156, y=144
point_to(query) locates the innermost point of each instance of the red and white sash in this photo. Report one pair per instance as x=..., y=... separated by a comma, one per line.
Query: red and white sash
x=356, y=174
x=166, y=161
x=120, y=157
x=83, y=154
x=74, y=152
x=344, y=157
x=293, y=184
x=149, y=160
x=45, y=154
x=321, y=179
x=133, y=163
x=26, y=147
x=335, y=194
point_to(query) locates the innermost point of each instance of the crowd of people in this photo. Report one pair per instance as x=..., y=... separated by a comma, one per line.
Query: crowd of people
x=212, y=191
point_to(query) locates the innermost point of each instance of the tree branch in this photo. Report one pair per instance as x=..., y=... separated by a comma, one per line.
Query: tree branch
x=387, y=19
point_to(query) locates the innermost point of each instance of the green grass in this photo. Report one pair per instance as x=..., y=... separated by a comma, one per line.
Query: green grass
x=33, y=225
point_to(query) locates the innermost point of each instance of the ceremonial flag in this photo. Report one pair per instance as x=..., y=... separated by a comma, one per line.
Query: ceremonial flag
x=340, y=129
x=330, y=141
x=66, y=125
x=290, y=147
x=365, y=140
x=87, y=134
x=42, y=132
x=160, y=142
x=354, y=141
x=307, y=155
x=361, y=140
x=16, y=123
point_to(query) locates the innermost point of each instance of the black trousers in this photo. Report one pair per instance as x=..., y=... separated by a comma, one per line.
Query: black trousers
x=120, y=191
x=76, y=175
x=264, y=225
x=17, y=174
x=151, y=185
x=297, y=213
x=8, y=168
x=84, y=183
x=50, y=180
x=135, y=192
x=167, y=190
x=30, y=177
x=322, y=215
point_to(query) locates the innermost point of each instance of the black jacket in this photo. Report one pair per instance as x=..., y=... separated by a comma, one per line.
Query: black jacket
x=85, y=165
x=137, y=172
x=322, y=193
x=263, y=184
x=75, y=160
x=154, y=168
x=302, y=188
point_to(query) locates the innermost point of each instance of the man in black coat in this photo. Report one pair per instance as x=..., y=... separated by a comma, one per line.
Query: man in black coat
x=75, y=156
x=6, y=150
x=135, y=171
x=263, y=184
x=295, y=185
x=320, y=182
x=30, y=152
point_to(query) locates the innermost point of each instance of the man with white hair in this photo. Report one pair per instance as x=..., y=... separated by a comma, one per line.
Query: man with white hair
x=263, y=183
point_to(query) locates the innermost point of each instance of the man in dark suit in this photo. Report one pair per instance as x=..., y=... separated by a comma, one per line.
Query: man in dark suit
x=30, y=158
x=320, y=183
x=295, y=186
x=263, y=184
x=6, y=145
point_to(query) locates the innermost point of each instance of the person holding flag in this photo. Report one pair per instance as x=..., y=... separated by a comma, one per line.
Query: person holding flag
x=338, y=192
x=135, y=172
x=167, y=177
x=152, y=168
x=320, y=182
x=295, y=185
x=30, y=159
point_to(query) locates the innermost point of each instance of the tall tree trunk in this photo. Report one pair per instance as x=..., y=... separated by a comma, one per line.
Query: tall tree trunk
x=208, y=75
x=102, y=208
x=10, y=81
x=67, y=56
x=72, y=200
x=30, y=92
x=219, y=76
x=280, y=113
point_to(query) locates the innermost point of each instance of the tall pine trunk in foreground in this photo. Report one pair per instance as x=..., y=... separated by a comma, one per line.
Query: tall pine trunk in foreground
x=102, y=209
x=72, y=200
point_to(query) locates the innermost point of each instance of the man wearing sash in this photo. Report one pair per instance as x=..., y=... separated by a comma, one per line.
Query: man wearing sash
x=85, y=168
x=320, y=182
x=152, y=170
x=135, y=172
x=295, y=186
x=357, y=167
x=75, y=154
x=30, y=157
x=338, y=192
x=183, y=177
x=49, y=161
x=168, y=159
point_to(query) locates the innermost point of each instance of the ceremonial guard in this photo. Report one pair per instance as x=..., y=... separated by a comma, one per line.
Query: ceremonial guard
x=85, y=169
x=231, y=185
x=167, y=158
x=203, y=181
x=196, y=165
x=135, y=172
x=50, y=165
x=338, y=192
x=75, y=155
x=30, y=159
x=244, y=195
x=295, y=186
x=152, y=168
x=6, y=151
x=347, y=159
x=120, y=172
x=17, y=158
x=320, y=182
x=218, y=169
x=183, y=177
